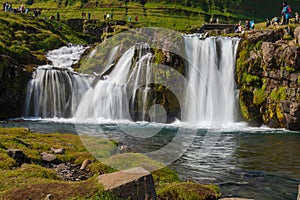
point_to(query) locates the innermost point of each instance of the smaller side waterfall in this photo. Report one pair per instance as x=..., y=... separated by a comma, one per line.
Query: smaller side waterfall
x=141, y=77
x=55, y=90
x=121, y=90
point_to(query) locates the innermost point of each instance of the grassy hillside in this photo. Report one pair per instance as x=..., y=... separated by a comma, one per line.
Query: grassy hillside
x=175, y=14
x=25, y=39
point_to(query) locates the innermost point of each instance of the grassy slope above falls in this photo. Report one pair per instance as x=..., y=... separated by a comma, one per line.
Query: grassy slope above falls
x=179, y=15
x=25, y=38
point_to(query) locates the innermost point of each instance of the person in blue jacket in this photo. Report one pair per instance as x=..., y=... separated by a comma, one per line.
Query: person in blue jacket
x=286, y=13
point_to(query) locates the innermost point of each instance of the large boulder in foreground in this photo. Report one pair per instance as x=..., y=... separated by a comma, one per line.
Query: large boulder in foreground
x=135, y=183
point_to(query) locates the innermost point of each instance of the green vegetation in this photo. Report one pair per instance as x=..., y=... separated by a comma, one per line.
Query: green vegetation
x=298, y=80
x=33, y=176
x=34, y=179
x=278, y=94
x=25, y=38
x=184, y=16
x=289, y=69
x=244, y=109
x=259, y=96
x=188, y=191
x=165, y=175
x=249, y=78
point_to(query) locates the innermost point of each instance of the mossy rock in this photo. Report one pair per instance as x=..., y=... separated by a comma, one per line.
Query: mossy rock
x=188, y=191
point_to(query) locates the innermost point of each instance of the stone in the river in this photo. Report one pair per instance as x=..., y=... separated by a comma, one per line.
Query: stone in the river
x=58, y=151
x=135, y=183
x=17, y=155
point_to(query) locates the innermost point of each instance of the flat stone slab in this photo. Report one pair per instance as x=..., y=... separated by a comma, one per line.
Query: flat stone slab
x=134, y=183
x=49, y=158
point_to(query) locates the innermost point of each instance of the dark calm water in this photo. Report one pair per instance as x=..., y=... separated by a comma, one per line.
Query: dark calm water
x=245, y=162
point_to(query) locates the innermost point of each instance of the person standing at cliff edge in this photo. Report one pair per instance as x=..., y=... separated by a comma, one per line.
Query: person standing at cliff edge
x=286, y=13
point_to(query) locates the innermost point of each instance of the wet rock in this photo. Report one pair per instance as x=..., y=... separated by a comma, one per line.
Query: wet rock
x=285, y=106
x=85, y=164
x=135, y=183
x=49, y=158
x=17, y=155
x=294, y=77
x=58, y=151
x=268, y=51
x=291, y=55
x=13, y=84
x=295, y=109
x=297, y=34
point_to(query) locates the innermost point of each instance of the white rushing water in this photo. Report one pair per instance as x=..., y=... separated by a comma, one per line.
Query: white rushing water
x=66, y=56
x=109, y=99
x=55, y=90
x=122, y=92
x=211, y=97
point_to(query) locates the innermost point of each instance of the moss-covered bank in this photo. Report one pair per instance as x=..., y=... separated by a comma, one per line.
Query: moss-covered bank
x=34, y=180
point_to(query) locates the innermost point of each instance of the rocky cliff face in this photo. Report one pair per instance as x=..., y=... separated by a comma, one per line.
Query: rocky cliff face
x=268, y=75
x=13, y=82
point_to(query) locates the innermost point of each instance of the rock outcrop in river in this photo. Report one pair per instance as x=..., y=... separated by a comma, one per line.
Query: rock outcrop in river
x=268, y=76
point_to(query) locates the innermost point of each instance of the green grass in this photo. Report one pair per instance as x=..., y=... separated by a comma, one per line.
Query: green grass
x=36, y=181
x=259, y=96
x=15, y=178
x=25, y=39
x=278, y=94
x=175, y=16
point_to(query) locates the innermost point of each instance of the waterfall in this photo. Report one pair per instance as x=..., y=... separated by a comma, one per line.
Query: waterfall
x=56, y=90
x=210, y=71
x=123, y=90
x=110, y=98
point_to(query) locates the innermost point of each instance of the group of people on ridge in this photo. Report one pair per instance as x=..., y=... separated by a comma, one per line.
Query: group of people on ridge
x=7, y=7
x=286, y=15
x=248, y=25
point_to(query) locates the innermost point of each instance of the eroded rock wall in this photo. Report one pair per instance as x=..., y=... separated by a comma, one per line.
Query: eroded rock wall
x=268, y=76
